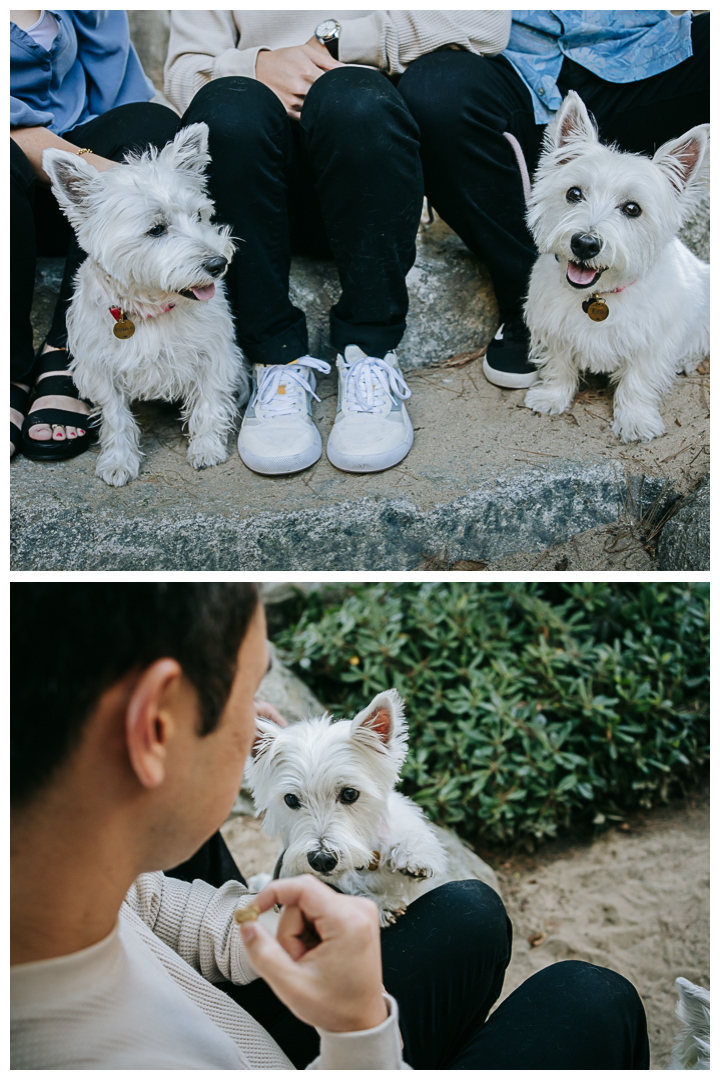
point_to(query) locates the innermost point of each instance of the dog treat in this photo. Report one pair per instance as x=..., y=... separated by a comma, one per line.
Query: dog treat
x=247, y=914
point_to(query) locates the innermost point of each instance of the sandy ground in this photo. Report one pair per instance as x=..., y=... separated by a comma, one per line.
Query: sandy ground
x=636, y=900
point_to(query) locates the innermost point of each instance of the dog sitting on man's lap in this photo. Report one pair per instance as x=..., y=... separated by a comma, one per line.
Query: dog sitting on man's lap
x=149, y=318
x=326, y=789
x=614, y=290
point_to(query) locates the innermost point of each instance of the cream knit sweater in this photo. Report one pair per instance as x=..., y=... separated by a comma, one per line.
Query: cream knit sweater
x=207, y=45
x=143, y=997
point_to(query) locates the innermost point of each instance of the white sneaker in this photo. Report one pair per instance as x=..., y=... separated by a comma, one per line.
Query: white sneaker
x=372, y=429
x=277, y=434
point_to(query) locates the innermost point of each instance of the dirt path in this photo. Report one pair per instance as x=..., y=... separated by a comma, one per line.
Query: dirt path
x=637, y=900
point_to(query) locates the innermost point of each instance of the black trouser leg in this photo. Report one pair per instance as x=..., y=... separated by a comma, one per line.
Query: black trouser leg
x=251, y=147
x=463, y=103
x=571, y=1015
x=363, y=147
x=132, y=127
x=22, y=263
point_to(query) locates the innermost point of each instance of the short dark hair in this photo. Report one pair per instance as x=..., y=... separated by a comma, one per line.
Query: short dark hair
x=100, y=633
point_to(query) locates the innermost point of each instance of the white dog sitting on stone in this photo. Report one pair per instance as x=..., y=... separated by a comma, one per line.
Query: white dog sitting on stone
x=149, y=318
x=614, y=290
x=326, y=789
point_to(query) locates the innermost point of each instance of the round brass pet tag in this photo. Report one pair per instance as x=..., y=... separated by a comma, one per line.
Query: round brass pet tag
x=124, y=328
x=597, y=309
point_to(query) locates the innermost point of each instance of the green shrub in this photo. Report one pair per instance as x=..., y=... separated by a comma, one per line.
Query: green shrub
x=528, y=705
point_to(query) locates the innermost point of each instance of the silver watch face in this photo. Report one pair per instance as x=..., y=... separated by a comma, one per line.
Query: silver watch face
x=328, y=30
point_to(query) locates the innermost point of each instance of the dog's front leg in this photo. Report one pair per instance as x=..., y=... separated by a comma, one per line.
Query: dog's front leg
x=636, y=409
x=119, y=459
x=209, y=414
x=556, y=388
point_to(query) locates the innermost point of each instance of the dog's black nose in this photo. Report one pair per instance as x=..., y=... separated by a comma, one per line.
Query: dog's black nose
x=585, y=246
x=216, y=265
x=322, y=861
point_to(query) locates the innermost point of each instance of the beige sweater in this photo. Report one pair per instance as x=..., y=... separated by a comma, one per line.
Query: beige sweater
x=207, y=45
x=143, y=997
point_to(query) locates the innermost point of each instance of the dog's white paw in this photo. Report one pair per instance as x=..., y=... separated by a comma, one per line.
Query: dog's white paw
x=204, y=453
x=389, y=916
x=638, y=428
x=117, y=473
x=545, y=398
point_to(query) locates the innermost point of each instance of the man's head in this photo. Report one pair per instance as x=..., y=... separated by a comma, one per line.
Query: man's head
x=142, y=702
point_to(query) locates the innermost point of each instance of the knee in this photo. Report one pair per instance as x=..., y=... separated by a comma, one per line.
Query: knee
x=601, y=991
x=476, y=916
x=354, y=101
x=236, y=107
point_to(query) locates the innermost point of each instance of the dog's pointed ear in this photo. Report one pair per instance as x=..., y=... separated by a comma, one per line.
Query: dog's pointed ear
x=265, y=734
x=189, y=149
x=73, y=179
x=383, y=719
x=683, y=160
x=572, y=122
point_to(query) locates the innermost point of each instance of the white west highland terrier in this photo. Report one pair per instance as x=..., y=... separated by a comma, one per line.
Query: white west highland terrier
x=691, y=1049
x=149, y=318
x=614, y=290
x=326, y=789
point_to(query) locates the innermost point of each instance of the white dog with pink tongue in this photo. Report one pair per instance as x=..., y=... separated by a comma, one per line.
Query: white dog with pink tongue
x=614, y=290
x=149, y=318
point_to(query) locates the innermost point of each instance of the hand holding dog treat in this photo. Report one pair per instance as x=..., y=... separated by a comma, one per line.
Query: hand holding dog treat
x=325, y=964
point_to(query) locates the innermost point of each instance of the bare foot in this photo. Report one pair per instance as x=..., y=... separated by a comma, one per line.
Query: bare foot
x=56, y=432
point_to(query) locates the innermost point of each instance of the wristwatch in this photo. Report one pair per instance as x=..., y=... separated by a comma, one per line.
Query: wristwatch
x=328, y=34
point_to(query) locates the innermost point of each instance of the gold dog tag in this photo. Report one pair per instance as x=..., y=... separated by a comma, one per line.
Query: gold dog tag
x=596, y=308
x=124, y=328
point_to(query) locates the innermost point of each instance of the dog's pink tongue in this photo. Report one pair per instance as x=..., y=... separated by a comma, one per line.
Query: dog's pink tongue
x=205, y=293
x=579, y=274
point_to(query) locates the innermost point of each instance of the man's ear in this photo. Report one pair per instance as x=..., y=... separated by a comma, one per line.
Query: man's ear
x=146, y=729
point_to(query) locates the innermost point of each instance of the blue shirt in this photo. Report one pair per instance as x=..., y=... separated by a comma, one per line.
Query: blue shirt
x=91, y=67
x=619, y=46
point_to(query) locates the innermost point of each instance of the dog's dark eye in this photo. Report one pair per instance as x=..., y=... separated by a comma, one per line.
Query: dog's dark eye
x=631, y=209
x=349, y=795
x=292, y=801
x=157, y=230
x=574, y=194
x=198, y=216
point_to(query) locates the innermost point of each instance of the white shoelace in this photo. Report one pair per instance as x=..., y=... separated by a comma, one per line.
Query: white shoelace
x=293, y=376
x=368, y=380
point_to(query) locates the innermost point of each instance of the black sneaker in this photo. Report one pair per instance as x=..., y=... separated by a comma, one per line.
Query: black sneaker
x=506, y=360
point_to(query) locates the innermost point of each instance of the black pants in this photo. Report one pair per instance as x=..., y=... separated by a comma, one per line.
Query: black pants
x=444, y=962
x=345, y=182
x=463, y=103
x=38, y=226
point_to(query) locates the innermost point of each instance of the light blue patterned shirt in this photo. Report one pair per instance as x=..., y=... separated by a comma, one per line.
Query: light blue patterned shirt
x=619, y=46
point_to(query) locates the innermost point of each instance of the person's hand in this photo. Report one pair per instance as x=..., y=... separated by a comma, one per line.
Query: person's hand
x=269, y=712
x=325, y=964
x=291, y=72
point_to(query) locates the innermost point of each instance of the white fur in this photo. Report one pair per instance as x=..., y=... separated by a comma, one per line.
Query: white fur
x=657, y=326
x=691, y=1049
x=315, y=760
x=187, y=353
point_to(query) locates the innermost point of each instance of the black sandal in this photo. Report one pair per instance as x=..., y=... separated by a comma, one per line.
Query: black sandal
x=56, y=385
x=19, y=400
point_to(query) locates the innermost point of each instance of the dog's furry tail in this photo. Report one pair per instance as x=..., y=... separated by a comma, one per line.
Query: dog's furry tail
x=691, y=1049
